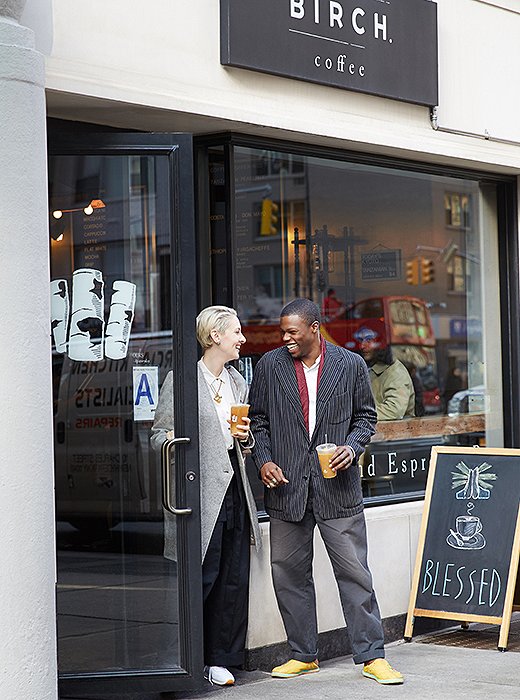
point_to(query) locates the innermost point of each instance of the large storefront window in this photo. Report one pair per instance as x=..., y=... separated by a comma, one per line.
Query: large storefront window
x=404, y=266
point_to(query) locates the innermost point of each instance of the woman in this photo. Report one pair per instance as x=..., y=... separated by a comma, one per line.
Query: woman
x=228, y=509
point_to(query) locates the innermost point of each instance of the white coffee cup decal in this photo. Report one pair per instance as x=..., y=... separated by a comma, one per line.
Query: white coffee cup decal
x=88, y=339
x=60, y=309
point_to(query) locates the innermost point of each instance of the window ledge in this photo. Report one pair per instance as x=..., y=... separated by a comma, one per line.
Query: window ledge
x=410, y=428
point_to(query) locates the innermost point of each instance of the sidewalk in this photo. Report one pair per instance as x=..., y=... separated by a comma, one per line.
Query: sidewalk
x=431, y=671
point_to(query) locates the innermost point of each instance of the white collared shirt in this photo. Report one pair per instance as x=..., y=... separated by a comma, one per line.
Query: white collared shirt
x=311, y=378
x=222, y=386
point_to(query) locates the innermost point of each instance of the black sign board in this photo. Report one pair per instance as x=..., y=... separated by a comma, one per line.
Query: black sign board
x=381, y=265
x=382, y=48
x=467, y=557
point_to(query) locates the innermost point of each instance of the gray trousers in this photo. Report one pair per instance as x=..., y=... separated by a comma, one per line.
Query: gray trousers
x=291, y=560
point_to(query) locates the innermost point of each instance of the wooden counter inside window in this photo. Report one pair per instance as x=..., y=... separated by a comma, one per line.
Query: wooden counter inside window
x=427, y=426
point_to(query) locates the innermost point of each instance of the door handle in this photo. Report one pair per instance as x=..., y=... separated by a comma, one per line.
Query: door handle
x=166, y=461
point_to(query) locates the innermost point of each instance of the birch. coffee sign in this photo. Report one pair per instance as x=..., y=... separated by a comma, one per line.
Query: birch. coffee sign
x=467, y=556
x=381, y=48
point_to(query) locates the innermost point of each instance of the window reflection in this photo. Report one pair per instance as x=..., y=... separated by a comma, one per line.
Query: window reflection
x=117, y=596
x=392, y=251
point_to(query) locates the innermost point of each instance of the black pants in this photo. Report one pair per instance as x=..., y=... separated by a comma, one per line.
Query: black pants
x=225, y=580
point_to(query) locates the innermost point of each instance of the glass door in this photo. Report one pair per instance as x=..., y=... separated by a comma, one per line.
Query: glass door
x=123, y=302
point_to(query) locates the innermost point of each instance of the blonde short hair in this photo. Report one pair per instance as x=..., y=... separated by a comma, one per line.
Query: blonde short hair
x=213, y=318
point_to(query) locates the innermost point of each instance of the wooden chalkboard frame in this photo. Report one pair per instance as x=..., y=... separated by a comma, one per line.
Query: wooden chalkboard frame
x=504, y=619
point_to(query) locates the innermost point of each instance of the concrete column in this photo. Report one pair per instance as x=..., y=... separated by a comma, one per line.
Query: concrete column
x=27, y=551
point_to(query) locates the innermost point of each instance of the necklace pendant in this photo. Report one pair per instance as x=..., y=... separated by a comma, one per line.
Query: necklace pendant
x=217, y=396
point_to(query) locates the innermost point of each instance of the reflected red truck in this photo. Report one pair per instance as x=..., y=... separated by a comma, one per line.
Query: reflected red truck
x=401, y=322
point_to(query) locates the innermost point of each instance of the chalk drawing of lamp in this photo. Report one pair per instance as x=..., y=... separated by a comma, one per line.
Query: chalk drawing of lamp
x=475, y=482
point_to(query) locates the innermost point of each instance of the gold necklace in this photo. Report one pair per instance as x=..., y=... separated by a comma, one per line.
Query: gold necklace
x=217, y=396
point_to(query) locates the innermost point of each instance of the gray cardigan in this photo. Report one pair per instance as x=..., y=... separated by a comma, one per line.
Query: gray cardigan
x=216, y=471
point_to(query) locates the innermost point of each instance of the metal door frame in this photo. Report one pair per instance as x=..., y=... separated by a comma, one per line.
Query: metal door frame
x=178, y=187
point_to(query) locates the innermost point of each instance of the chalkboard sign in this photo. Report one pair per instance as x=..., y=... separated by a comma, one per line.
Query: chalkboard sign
x=467, y=556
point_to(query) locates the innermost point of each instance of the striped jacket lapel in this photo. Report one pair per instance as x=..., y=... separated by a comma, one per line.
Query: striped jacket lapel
x=287, y=377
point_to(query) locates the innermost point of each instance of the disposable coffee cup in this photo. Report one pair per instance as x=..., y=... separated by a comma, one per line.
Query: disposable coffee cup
x=239, y=411
x=325, y=453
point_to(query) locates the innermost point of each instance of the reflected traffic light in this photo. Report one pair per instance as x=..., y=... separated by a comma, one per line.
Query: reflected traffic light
x=412, y=271
x=427, y=271
x=269, y=222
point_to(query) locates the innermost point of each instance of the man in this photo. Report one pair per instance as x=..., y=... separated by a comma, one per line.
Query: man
x=391, y=383
x=332, y=308
x=303, y=394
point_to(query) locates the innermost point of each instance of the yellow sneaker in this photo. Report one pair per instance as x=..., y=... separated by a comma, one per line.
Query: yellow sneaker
x=381, y=671
x=293, y=668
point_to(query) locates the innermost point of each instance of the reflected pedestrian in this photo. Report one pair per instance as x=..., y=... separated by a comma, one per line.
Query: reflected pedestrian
x=391, y=382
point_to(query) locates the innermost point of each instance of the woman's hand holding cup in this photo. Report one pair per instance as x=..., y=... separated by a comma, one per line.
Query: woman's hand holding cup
x=239, y=423
x=241, y=430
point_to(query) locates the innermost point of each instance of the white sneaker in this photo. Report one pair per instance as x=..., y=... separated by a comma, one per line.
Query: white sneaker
x=218, y=675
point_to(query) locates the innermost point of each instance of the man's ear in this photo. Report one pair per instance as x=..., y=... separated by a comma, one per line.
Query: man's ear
x=315, y=325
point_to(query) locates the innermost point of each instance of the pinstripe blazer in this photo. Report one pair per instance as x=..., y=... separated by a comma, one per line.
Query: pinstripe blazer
x=345, y=412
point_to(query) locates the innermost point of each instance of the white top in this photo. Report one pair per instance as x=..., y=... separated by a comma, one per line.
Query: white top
x=311, y=377
x=221, y=385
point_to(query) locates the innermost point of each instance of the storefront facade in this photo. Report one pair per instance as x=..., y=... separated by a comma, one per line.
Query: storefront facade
x=391, y=206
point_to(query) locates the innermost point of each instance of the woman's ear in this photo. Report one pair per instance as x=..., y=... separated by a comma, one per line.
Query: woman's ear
x=215, y=337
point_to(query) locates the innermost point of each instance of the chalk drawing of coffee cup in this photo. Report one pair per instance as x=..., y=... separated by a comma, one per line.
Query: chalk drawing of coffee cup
x=467, y=533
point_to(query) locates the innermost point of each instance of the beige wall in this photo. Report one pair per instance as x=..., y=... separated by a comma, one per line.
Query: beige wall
x=479, y=53
x=27, y=555
x=146, y=65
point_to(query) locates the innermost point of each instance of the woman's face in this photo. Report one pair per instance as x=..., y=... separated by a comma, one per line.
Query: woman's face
x=231, y=340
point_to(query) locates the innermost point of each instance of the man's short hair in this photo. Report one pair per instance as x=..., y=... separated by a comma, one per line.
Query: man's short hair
x=304, y=308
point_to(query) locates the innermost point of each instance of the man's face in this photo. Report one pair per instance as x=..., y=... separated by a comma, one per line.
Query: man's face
x=368, y=349
x=300, y=339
